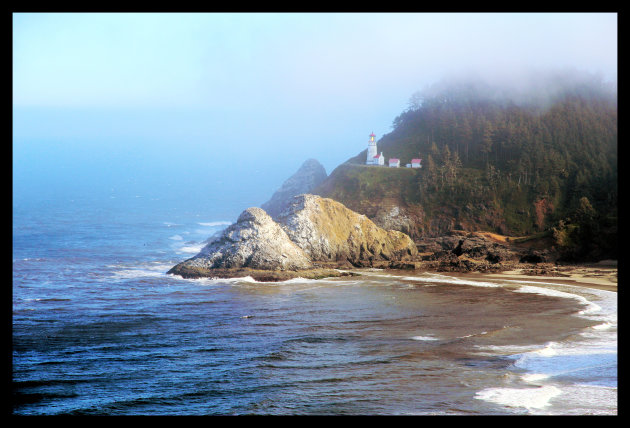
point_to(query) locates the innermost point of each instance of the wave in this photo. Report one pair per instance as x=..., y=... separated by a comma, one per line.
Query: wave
x=215, y=223
x=603, y=326
x=590, y=306
x=295, y=282
x=605, y=310
x=491, y=350
x=29, y=259
x=580, y=363
x=431, y=279
x=424, y=338
x=49, y=299
x=190, y=248
x=528, y=398
x=156, y=269
x=575, y=367
x=482, y=333
x=535, y=377
x=586, y=400
x=217, y=280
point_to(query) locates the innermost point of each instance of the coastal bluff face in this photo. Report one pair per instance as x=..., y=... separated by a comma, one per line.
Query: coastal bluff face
x=327, y=231
x=311, y=237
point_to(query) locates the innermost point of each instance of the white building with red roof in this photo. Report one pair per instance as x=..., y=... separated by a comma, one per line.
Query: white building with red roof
x=379, y=159
x=416, y=163
x=394, y=163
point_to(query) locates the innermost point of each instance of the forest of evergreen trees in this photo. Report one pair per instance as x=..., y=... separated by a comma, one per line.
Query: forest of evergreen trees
x=552, y=148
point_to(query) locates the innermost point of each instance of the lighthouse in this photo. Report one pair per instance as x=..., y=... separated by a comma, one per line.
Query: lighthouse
x=373, y=158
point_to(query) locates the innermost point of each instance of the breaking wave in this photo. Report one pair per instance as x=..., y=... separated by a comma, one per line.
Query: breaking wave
x=215, y=223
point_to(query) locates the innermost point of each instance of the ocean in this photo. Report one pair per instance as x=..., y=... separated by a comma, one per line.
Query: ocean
x=99, y=328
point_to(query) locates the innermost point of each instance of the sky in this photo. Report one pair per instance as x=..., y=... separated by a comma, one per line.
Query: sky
x=231, y=104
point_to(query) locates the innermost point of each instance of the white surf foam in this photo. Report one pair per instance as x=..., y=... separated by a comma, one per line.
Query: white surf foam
x=481, y=333
x=528, y=398
x=490, y=350
x=444, y=279
x=190, y=249
x=603, y=326
x=590, y=307
x=141, y=271
x=424, y=338
x=585, y=400
x=534, y=377
x=215, y=223
x=585, y=361
x=297, y=281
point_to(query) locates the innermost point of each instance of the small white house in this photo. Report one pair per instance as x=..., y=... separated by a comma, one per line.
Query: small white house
x=379, y=159
x=416, y=163
x=394, y=163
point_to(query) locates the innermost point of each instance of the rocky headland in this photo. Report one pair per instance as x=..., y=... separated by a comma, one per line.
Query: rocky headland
x=312, y=238
x=315, y=237
x=299, y=234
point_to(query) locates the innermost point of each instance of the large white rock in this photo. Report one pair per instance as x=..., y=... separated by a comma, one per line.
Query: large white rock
x=255, y=241
x=311, y=229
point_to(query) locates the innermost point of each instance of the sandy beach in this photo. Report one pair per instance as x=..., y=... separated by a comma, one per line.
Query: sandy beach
x=601, y=276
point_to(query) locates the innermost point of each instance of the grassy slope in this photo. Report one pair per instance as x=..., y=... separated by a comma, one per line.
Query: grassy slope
x=369, y=190
x=365, y=188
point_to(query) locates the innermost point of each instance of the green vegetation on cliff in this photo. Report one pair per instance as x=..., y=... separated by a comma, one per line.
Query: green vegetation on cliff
x=499, y=161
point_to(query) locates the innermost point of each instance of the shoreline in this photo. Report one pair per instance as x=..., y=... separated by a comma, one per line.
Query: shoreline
x=602, y=277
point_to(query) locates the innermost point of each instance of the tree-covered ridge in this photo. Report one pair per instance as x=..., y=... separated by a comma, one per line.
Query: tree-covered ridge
x=536, y=156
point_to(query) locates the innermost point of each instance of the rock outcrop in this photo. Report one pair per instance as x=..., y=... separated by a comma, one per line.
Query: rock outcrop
x=255, y=241
x=461, y=251
x=327, y=231
x=312, y=237
x=310, y=175
x=395, y=217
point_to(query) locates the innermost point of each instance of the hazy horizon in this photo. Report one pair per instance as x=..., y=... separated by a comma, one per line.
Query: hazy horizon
x=229, y=105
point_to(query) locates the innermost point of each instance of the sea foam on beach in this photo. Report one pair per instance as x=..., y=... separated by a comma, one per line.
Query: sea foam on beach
x=572, y=373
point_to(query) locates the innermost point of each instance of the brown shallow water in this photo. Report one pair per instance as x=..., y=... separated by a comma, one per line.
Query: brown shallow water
x=153, y=344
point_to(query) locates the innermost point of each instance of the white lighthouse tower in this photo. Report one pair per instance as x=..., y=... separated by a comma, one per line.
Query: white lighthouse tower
x=373, y=158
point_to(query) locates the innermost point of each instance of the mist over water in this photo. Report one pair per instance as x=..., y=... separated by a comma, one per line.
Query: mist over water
x=59, y=171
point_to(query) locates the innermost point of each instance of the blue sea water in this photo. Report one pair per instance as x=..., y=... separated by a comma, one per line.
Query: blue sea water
x=100, y=329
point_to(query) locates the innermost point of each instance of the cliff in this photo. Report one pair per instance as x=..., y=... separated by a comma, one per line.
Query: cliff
x=304, y=180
